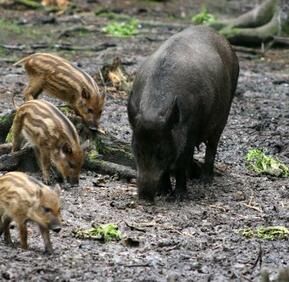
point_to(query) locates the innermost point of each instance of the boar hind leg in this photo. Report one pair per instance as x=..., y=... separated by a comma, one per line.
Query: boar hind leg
x=34, y=88
x=16, y=133
x=6, y=229
x=23, y=235
x=211, y=150
x=44, y=161
x=46, y=240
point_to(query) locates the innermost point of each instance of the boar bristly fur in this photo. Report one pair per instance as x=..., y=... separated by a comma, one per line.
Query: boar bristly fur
x=53, y=136
x=59, y=78
x=181, y=97
x=23, y=199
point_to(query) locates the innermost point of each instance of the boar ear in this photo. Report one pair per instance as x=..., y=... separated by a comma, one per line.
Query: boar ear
x=85, y=94
x=173, y=114
x=86, y=146
x=66, y=148
x=57, y=189
x=39, y=193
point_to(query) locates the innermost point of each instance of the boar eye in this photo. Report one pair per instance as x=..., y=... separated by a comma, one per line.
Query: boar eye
x=46, y=210
x=90, y=111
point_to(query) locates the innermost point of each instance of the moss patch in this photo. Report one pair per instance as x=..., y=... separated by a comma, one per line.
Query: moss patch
x=258, y=162
x=123, y=28
x=106, y=232
x=270, y=233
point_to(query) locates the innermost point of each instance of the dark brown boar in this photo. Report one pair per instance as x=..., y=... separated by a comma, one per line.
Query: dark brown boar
x=181, y=97
x=59, y=78
x=53, y=136
x=22, y=199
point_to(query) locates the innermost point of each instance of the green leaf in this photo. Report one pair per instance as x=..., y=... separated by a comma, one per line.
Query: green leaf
x=258, y=162
x=106, y=232
x=122, y=29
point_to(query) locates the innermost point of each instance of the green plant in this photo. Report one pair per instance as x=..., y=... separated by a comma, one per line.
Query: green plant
x=122, y=29
x=266, y=233
x=10, y=26
x=106, y=232
x=9, y=137
x=204, y=17
x=258, y=162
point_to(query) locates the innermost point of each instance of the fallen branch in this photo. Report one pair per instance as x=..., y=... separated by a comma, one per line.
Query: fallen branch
x=20, y=160
x=110, y=168
x=62, y=46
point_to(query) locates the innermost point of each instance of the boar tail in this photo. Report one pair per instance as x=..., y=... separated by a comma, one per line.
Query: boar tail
x=13, y=102
x=21, y=61
x=103, y=82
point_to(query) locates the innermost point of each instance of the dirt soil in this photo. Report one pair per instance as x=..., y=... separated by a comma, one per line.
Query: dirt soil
x=194, y=240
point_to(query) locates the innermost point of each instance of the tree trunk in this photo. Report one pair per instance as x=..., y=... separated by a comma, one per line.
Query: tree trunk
x=254, y=27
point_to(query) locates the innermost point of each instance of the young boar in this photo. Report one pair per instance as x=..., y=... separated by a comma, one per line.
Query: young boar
x=59, y=78
x=181, y=97
x=22, y=199
x=53, y=136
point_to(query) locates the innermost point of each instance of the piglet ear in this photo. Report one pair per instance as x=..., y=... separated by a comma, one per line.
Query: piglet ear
x=57, y=189
x=85, y=94
x=66, y=148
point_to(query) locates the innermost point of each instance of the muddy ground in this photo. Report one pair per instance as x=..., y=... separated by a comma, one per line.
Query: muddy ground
x=195, y=240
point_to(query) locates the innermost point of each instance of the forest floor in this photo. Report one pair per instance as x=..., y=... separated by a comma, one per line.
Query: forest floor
x=193, y=240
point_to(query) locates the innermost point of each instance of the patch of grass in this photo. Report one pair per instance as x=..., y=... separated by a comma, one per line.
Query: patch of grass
x=204, y=17
x=269, y=233
x=258, y=162
x=106, y=232
x=4, y=118
x=122, y=29
x=10, y=26
x=3, y=52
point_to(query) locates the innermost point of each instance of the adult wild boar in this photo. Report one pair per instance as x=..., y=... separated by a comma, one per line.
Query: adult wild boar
x=181, y=97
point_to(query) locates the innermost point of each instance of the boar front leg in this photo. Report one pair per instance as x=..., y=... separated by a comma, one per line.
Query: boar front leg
x=46, y=240
x=34, y=88
x=181, y=171
x=165, y=187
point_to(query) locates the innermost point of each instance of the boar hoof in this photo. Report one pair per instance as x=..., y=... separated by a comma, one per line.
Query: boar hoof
x=207, y=178
x=48, y=252
x=176, y=196
x=146, y=197
x=10, y=243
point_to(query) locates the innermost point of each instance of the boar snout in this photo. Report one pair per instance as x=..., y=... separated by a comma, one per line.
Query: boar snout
x=73, y=181
x=148, y=186
x=56, y=228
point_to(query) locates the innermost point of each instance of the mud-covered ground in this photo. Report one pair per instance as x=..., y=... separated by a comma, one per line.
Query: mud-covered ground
x=195, y=240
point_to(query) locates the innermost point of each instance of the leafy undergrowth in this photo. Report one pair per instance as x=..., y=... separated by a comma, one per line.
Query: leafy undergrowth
x=270, y=233
x=106, y=232
x=258, y=162
x=122, y=29
x=204, y=17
